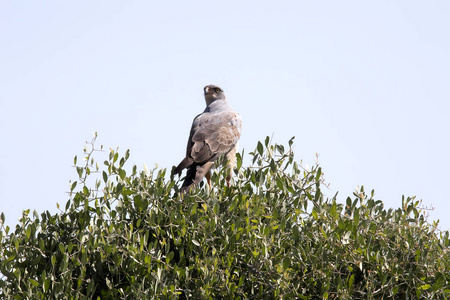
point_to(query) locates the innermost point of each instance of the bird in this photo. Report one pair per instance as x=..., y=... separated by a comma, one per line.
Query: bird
x=213, y=139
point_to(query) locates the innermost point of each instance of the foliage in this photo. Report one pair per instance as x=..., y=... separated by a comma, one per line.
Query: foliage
x=272, y=234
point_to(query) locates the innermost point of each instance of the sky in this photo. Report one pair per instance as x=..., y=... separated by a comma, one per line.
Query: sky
x=362, y=84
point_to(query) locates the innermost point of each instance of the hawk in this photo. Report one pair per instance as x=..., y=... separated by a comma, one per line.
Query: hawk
x=213, y=138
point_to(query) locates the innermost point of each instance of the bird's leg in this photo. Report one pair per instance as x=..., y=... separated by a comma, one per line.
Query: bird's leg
x=228, y=178
x=208, y=178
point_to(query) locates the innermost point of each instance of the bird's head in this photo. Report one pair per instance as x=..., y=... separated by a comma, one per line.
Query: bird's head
x=213, y=93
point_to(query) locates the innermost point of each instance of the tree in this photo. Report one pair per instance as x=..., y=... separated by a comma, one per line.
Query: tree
x=273, y=234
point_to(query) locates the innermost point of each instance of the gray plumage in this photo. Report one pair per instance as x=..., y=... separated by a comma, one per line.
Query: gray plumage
x=214, y=135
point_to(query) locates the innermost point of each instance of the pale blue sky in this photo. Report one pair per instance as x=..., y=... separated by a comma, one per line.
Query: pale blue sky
x=365, y=84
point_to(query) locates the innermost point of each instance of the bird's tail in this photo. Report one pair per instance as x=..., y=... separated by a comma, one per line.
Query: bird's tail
x=195, y=174
x=189, y=179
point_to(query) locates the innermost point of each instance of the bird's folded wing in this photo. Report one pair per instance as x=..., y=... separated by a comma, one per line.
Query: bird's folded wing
x=213, y=135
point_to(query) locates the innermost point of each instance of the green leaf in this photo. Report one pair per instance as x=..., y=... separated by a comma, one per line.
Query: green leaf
x=280, y=149
x=273, y=166
x=33, y=282
x=80, y=172
x=351, y=281
x=194, y=209
x=291, y=141
x=46, y=285
x=140, y=203
x=286, y=263
x=323, y=232
x=122, y=174
x=171, y=255
x=333, y=210
x=275, y=213
x=260, y=148
x=238, y=161
x=341, y=224
x=318, y=174
x=356, y=217
x=395, y=290
x=128, y=192
x=11, y=258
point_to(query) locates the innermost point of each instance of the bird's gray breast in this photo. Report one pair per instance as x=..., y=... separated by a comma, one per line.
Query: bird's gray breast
x=220, y=130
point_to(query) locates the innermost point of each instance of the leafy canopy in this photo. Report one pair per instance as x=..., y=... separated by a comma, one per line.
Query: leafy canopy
x=272, y=234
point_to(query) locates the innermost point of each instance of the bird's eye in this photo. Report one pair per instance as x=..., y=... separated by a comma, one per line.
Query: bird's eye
x=217, y=90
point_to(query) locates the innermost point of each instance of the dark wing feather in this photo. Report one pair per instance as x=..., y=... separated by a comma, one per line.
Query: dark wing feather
x=185, y=163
